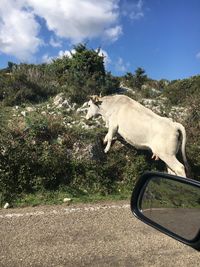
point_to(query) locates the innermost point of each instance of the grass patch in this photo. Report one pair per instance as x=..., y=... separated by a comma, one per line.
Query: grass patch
x=76, y=196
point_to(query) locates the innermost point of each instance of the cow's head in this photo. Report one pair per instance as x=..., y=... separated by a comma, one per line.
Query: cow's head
x=93, y=108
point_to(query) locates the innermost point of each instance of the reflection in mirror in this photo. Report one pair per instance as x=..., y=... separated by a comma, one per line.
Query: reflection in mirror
x=173, y=205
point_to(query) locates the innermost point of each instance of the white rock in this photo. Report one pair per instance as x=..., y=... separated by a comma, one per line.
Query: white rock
x=58, y=99
x=6, y=206
x=23, y=113
x=59, y=106
x=30, y=109
x=33, y=142
x=66, y=103
x=67, y=200
x=73, y=106
x=59, y=140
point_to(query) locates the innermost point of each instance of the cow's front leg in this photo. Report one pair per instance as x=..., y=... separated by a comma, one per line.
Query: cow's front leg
x=108, y=138
x=105, y=140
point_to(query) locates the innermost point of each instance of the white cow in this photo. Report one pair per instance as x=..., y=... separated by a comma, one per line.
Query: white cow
x=142, y=128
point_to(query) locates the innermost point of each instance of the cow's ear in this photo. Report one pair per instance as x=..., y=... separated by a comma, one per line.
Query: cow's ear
x=95, y=99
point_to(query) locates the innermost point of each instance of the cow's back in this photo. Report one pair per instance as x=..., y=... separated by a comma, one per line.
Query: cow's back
x=137, y=124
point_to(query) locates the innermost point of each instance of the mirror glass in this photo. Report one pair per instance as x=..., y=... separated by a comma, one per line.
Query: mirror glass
x=173, y=205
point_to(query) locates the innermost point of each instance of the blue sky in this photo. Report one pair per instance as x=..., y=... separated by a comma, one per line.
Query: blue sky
x=161, y=36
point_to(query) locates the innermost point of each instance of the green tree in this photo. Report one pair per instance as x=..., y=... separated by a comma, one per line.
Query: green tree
x=140, y=77
x=135, y=80
x=128, y=79
x=87, y=60
x=178, y=91
x=59, y=68
x=86, y=75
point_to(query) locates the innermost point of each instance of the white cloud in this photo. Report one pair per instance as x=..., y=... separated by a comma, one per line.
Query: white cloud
x=104, y=54
x=48, y=59
x=121, y=66
x=113, y=33
x=67, y=53
x=18, y=30
x=198, y=55
x=133, y=9
x=54, y=42
x=73, y=20
x=77, y=20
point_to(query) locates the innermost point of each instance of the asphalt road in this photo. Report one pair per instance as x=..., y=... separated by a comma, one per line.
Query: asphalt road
x=86, y=235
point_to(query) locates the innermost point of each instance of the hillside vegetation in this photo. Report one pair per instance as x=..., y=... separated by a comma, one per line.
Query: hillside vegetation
x=47, y=148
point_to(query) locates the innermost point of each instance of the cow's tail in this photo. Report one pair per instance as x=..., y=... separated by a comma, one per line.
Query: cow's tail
x=181, y=129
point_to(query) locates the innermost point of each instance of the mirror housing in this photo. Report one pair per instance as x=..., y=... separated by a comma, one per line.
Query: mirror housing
x=170, y=204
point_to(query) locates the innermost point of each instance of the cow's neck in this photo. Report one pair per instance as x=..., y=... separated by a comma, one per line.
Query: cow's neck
x=103, y=109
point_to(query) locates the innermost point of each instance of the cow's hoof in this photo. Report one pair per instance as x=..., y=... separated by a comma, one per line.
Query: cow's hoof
x=98, y=149
x=155, y=157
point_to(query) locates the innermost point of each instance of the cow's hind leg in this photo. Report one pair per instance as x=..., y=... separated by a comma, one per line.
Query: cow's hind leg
x=155, y=157
x=109, y=136
x=174, y=165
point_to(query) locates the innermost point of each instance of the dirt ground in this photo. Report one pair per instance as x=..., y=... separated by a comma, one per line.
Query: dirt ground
x=103, y=234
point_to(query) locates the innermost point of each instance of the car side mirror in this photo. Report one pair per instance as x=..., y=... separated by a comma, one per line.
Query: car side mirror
x=170, y=204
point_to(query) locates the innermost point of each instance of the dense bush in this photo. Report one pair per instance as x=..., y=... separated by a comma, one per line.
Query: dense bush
x=179, y=90
x=38, y=157
x=30, y=161
x=193, y=133
x=18, y=89
x=79, y=75
x=26, y=84
x=136, y=80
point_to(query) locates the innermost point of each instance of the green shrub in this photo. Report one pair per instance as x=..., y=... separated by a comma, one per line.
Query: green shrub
x=179, y=90
x=26, y=84
x=32, y=161
x=26, y=167
x=44, y=127
x=193, y=134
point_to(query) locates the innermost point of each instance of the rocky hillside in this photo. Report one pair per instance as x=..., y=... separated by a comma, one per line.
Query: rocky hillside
x=46, y=145
x=70, y=115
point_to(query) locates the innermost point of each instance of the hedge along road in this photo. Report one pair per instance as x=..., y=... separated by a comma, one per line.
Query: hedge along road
x=104, y=234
